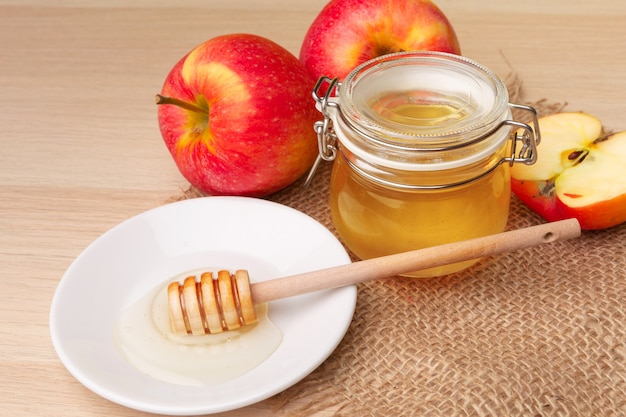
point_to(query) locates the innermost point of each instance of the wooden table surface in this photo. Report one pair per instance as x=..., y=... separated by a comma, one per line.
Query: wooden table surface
x=81, y=150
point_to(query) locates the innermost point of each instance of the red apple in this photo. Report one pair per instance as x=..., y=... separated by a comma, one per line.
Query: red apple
x=237, y=116
x=580, y=172
x=347, y=33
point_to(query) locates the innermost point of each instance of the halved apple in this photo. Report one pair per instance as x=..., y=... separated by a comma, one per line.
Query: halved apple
x=580, y=172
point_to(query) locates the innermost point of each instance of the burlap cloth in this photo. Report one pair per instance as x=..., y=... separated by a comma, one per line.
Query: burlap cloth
x=537, y=332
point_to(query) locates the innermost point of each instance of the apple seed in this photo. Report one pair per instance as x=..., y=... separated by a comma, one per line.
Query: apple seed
x=578, y=156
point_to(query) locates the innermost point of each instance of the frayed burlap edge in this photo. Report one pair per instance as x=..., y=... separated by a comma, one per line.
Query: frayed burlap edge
x=544, y=106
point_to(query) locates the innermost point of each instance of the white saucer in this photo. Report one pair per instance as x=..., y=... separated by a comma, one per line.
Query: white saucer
x=267, y=239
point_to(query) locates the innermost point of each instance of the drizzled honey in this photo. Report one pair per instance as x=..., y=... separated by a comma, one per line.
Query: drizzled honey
x=143, y=335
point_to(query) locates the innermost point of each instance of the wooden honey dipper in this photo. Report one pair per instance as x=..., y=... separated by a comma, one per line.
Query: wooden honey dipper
x=213, y=305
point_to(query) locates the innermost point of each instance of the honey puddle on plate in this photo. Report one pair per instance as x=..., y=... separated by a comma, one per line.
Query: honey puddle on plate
x=142, y=334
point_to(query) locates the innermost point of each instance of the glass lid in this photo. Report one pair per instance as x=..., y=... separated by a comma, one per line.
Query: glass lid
x=423, y=99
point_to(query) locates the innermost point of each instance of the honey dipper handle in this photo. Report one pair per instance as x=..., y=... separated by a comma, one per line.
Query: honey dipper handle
x=392, y=265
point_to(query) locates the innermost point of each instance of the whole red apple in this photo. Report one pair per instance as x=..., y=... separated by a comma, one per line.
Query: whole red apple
x=237, y=116
x=580, y=172
x=347, y=33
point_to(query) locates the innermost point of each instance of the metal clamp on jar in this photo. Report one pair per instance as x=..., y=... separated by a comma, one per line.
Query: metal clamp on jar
x=422, y=143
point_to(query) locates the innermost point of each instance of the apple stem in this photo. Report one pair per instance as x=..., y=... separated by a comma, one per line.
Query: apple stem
x=159, y=99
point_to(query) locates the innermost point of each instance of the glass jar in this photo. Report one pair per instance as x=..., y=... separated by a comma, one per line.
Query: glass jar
x=422, y=143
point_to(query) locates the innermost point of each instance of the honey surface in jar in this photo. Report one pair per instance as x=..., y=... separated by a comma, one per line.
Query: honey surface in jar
x=417, y=108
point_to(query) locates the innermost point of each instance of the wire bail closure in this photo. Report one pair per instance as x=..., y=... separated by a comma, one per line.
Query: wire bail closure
x=524, y=138
x=326, y=137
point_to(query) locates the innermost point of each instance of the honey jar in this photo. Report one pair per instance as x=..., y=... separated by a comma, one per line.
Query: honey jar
x=421, y=144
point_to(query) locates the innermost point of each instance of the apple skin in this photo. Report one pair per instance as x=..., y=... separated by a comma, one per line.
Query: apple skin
x=591, y=189
x=347, y=33
x=248, y=130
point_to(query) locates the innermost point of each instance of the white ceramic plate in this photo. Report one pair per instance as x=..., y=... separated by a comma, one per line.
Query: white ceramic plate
x=267, y=239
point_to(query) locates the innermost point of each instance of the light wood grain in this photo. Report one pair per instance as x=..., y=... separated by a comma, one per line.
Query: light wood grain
x=81, y=149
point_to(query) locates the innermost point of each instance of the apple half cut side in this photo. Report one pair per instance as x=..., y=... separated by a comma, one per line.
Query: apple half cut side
x=580, y=172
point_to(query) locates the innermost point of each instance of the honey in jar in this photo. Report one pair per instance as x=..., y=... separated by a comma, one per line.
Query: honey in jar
x=422, y=144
